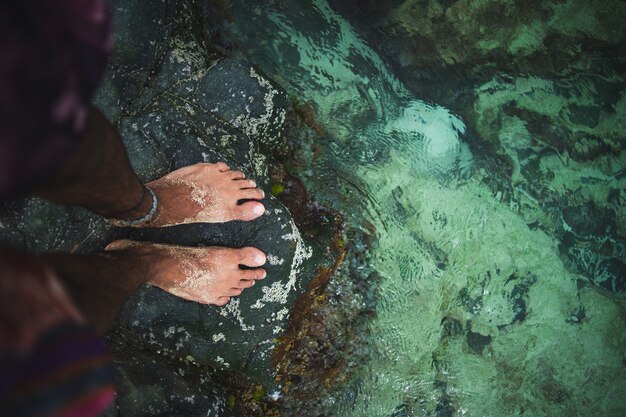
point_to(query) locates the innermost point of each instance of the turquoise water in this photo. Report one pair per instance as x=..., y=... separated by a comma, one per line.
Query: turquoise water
x=483, y=309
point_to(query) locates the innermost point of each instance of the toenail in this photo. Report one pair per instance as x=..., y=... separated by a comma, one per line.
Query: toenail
x=258, y=210
x=262, y=193
x=259, y=259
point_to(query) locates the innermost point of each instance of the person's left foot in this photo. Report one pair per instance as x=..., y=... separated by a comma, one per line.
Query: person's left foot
x=207, y=275
x=205, y=193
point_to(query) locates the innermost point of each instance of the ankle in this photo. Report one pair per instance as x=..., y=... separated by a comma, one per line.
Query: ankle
x=141, y=214
x=147, y=258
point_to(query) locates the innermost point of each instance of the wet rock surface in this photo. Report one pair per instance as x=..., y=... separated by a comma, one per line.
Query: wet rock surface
x=152, y=385
x=195, y=107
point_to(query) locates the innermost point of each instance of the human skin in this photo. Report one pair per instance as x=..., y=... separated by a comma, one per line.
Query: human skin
x=100, y=178
x=100, y=283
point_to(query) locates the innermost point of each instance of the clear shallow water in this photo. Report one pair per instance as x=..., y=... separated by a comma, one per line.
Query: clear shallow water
x=477, y=313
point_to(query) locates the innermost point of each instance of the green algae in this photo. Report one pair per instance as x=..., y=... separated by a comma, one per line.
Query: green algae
x=277, y=189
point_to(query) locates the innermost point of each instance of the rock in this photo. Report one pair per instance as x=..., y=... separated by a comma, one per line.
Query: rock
x=151, y=385
x=176, y=103
x=38, y=226
x=477, y=341
x=547, y=135
x=241, y=335
x=200, y=109
x=139, y=31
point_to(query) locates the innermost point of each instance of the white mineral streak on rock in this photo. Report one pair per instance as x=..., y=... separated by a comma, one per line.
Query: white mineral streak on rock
x=232, y=309
x=218, y=337
x=190, y=109
x=278, y=291
x=279, y=315
x=227, y=140
x=221, y=361
x=275, y=293
x=186, y=53
x=258, y=160
x=274, y=260
x=253, y=125
x=282, y=314
x=169, y=332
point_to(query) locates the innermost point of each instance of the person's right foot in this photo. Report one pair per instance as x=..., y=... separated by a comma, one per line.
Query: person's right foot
x=208, y=275
x=205, y=193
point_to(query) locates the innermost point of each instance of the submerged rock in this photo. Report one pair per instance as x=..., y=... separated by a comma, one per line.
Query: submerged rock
x=541, y=87
x=483, y=249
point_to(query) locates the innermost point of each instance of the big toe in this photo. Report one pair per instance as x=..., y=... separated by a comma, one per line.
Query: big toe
x=251, y=210
x=251, y=257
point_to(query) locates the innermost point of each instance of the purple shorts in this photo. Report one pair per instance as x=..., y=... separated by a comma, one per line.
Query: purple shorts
x=53, y=55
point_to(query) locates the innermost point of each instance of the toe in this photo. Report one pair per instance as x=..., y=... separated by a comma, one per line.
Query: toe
x=246, y=283
x=251, y=193
x=251, y=210
x=222, y=301
x=246, y=184
x=222, y=167
x=251, y=257
x=234, y=292
x=235, y=175
x=252, y=274
x=119, y=244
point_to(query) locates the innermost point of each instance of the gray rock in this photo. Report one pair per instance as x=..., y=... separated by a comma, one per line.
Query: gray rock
x=200, y=109
x=176, y=104
x=152, y=385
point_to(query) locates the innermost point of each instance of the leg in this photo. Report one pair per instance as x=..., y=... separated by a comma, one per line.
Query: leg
x=101, y=283
x=99, y=177
x=44, y=338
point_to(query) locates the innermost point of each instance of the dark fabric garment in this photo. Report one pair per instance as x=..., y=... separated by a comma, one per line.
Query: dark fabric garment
x=52, y=56
x=68, y=373
x=51, y=362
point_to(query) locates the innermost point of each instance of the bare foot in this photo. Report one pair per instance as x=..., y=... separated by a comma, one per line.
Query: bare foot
x=205, y=193
x=209, y=275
